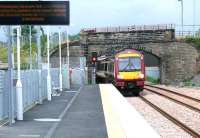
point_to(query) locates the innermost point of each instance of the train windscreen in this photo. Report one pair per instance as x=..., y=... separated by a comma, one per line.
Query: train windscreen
x=129, y=64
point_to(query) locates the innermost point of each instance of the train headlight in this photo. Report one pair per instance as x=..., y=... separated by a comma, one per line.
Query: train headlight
x=141, y=76
x=120, y=77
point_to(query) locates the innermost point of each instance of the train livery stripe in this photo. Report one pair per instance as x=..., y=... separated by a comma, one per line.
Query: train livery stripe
x=113, y=125
x=129, y=55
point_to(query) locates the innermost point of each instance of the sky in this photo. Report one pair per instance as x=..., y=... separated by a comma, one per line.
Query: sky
x=103, y=13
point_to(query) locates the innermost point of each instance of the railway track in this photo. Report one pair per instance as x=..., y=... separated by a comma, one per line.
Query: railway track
x=177, y=93
x=170, y=117
x=187, y=101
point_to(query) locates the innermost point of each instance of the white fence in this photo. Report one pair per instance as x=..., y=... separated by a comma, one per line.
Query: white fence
x=31, y=87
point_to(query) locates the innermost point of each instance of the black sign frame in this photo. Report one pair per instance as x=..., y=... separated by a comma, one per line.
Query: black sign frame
x=11, y=13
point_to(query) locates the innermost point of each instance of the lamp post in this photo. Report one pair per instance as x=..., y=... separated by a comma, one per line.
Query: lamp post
x=194, y=15
x=181, y=15
x=48, y=68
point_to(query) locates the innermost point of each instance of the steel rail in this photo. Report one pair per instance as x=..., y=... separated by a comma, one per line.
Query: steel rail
x=171, y=118
x=174, y=92
x=175, y=100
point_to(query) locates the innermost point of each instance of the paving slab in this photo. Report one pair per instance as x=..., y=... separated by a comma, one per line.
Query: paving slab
x=47, y=113
x=85, y=118
x=71, y=115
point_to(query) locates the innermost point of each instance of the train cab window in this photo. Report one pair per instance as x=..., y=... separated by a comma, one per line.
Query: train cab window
x=130, y=64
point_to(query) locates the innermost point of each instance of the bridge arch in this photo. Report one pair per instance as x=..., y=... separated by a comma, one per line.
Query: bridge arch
x=152, y=60
x=177, y=61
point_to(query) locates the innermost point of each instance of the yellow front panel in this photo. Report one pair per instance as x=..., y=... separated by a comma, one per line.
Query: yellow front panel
x=129, y=55
x=129, y=75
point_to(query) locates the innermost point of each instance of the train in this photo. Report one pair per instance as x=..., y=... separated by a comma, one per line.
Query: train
x=126, y=70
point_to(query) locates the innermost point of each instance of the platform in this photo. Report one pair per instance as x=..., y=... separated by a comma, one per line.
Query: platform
x=96, y=111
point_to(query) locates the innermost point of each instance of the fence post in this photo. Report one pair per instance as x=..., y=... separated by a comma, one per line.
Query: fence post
x=48, y=74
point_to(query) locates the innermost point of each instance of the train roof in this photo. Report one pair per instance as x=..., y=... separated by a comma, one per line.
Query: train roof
x=128, y=53
x=104, y=59
x=124, y=51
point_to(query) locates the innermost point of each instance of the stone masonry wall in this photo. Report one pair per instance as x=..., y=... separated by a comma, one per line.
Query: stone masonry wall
x=178, y=60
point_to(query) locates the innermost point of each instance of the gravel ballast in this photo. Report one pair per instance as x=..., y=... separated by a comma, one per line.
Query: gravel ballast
x=185, y=115
x=192, y=92
x=162, y=125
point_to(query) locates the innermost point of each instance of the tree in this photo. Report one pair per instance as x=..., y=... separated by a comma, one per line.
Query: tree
x=25, y=30
x=75, y=37
x=43, y=42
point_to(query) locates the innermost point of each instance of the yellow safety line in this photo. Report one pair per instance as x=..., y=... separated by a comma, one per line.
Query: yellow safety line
x=113, y=125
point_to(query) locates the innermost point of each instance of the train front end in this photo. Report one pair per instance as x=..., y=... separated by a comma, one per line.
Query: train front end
x=129, y=71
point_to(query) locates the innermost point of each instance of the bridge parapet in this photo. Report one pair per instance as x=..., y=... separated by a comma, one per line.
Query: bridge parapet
x=128, y=35
x=129, y=28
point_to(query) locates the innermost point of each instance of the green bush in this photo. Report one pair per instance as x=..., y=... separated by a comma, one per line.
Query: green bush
x=152, y=80
x=188, y=83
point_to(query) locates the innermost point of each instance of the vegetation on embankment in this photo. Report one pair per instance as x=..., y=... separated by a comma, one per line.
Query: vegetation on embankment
x=75, y=37
x=24, y=53
x=193, y=40
x=25, y=47
x=152, y=80
x=3, y=54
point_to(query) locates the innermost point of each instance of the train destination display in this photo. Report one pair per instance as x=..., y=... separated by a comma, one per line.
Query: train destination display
x=34, y=13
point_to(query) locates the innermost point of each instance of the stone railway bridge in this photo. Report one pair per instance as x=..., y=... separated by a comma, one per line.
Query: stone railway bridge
x=177, y=60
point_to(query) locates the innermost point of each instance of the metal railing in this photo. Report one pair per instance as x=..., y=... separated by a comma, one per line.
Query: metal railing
x=129, y=28
x=189, y=30
x=184, y=34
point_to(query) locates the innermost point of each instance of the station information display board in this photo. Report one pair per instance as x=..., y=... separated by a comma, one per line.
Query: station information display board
x=34, y=13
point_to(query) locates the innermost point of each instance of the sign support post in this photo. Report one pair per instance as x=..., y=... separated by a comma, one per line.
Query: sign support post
x=10, y=79
x=19, y=83
x=48, y=68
